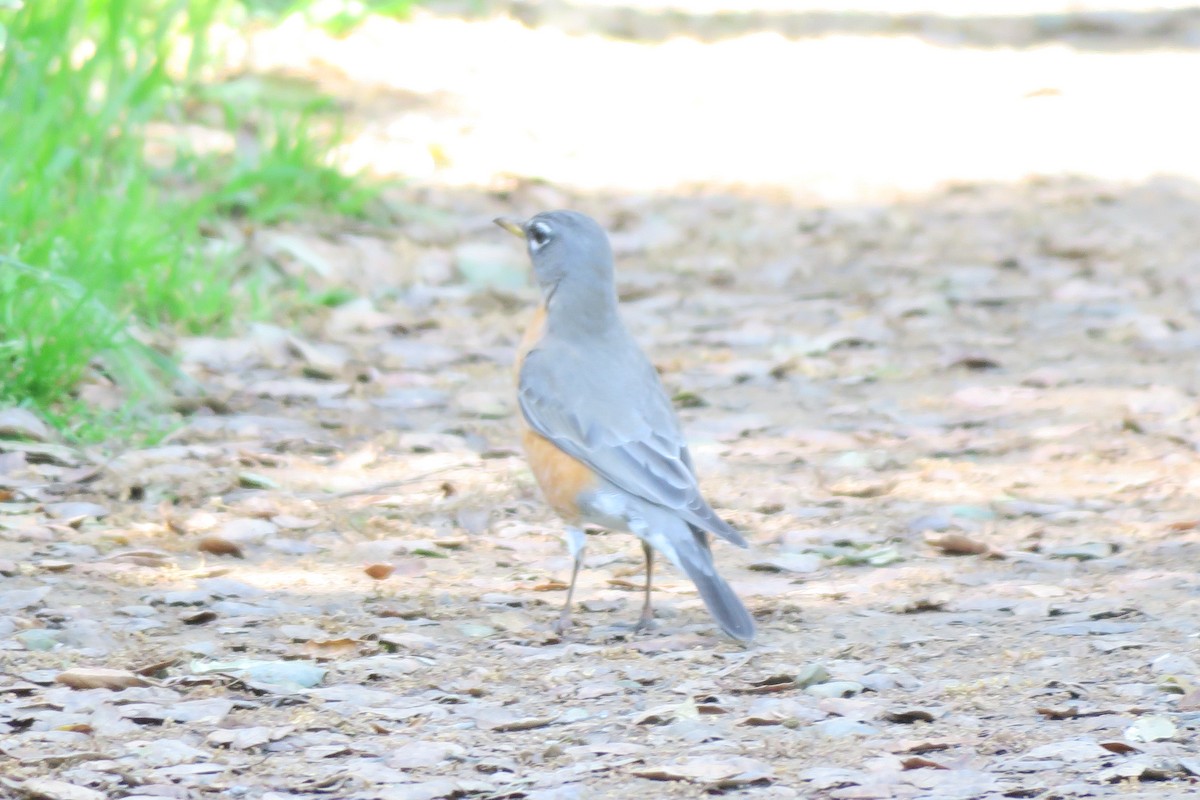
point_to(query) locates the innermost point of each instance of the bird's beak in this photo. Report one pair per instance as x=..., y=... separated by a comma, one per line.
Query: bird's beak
x=515, y=227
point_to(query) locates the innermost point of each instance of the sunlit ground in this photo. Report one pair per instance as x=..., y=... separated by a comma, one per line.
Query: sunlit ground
x=831, y=116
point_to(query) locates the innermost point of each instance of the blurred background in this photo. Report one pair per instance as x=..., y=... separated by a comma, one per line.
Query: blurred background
x=183, y=168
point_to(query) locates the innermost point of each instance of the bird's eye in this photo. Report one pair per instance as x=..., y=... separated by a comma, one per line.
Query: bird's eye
x=539, y=234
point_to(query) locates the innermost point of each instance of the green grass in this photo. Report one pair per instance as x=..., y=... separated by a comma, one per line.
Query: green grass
x=285, y=171
x=98, y=244
x=338, y=17
x=79, y=211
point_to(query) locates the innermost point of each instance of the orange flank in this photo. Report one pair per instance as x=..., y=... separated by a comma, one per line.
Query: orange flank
x=533, y=335
x=561, y=477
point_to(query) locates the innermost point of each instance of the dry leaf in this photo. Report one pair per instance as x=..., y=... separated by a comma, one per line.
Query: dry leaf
x=920, y=746
x=50, y=789
x=621, y=583
x=247, y=738
x=379, y=571
x=907, y=716
x=716, y=772
x=331, y=648
x=862, y=487
x=100, y=678
x=219, y=546
x=527, y=724
x=956, y=544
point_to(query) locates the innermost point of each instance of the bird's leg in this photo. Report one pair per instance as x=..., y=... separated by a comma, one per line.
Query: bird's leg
x=646, y=622
x=576, y=542
x=564, y=618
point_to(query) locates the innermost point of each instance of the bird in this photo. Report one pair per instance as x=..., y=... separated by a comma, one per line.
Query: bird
x=598, y=430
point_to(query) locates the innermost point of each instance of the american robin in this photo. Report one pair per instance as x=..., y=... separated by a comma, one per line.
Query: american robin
x=599, y=431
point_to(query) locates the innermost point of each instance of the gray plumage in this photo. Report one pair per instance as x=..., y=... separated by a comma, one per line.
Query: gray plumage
x=588, y=388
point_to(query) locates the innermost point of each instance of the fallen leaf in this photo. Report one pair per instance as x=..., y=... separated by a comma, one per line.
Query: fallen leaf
x=907, y=716
x=809, y=675
x=283, y=674
x=843, y=727
x=858, y=487
x=974, y=362
x=379, y=571
x=525, y=724
x=99, y=678
x=296, y=389
x=247, y=738
x=424, y=754
x=246, y=530
x=715, y=772
x=320, y=361
x=1151, y=728
x=254, y=480
x=772, y=685
x=1175, y=664
x=435, y=789
x=835, y=689
x=1189, y=702
x=76, y=510
x=50, y=789
x=957, y=544
x=1140, y=769
x=219, y=546
x=1070, y=751
x=924, y=746
x=1092, y=628
x=331, y=648
x=209, y=711
x=21, y=423
x=41, y=452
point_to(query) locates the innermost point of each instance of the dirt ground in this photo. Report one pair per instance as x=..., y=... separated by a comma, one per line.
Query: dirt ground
x=959, y=426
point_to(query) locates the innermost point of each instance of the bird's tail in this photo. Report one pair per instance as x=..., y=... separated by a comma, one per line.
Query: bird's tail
x=718, y=596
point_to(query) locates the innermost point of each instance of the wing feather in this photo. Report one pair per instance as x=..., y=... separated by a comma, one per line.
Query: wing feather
x=624, y=429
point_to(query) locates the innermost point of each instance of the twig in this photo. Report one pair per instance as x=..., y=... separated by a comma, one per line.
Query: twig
x=379, y=487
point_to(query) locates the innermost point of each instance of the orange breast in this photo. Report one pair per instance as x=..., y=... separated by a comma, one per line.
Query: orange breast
x=561, y=477
x=533, y=335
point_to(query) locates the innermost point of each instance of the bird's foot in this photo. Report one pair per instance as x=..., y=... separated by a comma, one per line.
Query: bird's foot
x=562, y=624
x=645, y=624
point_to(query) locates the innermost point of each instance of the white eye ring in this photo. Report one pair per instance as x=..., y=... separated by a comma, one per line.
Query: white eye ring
x=539, y=234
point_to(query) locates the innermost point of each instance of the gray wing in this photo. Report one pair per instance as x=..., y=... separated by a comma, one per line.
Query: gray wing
x=620, y=423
